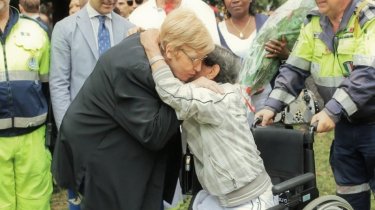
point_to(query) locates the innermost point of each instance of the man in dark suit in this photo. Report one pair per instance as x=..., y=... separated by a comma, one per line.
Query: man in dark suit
x=119, y=144
x=75, y=51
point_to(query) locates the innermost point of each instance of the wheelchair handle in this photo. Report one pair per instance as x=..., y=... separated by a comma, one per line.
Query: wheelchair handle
x=256, y=122
x=313, y=127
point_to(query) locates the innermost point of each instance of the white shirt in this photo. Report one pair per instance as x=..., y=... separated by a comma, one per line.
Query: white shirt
x=240, y=47
x=148, y=15
x=93, y=15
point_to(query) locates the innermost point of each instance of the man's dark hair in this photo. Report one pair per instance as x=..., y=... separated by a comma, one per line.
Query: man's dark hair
x=31, y=6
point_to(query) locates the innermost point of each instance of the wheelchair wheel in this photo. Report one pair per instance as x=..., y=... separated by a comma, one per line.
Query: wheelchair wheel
x=328, y=202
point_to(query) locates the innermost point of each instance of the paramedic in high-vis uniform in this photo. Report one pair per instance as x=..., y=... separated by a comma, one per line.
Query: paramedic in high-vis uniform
x=25, y=177
x=337, y=47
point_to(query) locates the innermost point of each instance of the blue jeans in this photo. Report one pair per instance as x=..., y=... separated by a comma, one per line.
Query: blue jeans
x=352, y=160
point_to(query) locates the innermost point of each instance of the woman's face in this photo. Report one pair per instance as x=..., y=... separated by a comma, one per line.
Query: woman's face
x=237, y=8
x=205, y=70
x=185, y=63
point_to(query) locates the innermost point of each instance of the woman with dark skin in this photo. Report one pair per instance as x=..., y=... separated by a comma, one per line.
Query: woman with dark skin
x=237, y=32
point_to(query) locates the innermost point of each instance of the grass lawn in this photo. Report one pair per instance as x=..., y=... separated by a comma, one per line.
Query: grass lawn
x=326, y=184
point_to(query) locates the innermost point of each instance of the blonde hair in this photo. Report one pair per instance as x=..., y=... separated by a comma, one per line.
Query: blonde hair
x=182, y=27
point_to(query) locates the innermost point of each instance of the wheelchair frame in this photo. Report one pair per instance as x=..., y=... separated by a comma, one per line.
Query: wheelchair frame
x=288, y=156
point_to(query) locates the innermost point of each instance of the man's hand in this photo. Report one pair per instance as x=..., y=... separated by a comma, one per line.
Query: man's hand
x=209, y=84
x=266, y=116
x=325, y=123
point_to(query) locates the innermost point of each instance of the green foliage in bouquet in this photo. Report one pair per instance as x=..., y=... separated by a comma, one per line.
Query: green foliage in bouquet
x=285, y=22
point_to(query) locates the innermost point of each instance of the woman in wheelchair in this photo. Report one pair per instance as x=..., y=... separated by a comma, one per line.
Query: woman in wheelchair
x=215, y=126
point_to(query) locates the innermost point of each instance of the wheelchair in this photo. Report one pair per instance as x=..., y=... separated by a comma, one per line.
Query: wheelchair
x=288, y=157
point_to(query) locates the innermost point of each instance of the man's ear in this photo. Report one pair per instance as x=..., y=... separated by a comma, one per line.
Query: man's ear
x=213, y=72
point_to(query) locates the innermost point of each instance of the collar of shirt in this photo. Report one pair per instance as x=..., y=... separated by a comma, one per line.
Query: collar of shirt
x=93, y=13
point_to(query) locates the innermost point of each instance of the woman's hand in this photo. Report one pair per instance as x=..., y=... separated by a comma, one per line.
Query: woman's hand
x=134, y=30
x=209, y=84
x=277, y=49
x=150, y=41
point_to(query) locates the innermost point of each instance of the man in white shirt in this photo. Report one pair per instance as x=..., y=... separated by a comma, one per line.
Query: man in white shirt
x=152, y=13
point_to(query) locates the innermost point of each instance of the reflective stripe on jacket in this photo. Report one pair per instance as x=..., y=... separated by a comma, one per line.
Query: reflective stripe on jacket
x=24, y=64
x=342, y=63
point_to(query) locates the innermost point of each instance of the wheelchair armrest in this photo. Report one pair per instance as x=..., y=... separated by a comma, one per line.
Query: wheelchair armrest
x=293, y=182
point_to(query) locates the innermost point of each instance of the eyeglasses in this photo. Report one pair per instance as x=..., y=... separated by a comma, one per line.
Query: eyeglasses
x=194, y=61
x=130, y=2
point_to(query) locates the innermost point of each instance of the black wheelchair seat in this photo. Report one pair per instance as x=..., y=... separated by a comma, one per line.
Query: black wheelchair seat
x=288, y=157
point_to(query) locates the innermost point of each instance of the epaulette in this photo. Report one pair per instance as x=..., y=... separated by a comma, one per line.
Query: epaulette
x=310, y=14
x=366, y=11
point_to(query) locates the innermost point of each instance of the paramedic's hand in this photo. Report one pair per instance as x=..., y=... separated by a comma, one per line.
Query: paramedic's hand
x=266, y=115
x=209, y=84
x=325, y=123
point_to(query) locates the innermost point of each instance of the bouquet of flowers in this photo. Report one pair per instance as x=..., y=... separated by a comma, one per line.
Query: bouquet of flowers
x=286, y=22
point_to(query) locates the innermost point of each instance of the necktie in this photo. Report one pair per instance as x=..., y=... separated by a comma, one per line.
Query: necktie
x=104, y=42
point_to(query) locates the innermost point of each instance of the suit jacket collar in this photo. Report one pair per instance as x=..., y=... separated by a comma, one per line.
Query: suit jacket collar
x=84, y=24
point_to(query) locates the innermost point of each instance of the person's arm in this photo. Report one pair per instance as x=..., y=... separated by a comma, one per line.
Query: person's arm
x=60, y=72
x=186, y=99
x=150, y=41
x=357, y=89
x=291, y=79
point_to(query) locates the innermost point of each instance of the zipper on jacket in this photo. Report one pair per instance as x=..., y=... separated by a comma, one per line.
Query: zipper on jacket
x=216, y=165
x=234, y=183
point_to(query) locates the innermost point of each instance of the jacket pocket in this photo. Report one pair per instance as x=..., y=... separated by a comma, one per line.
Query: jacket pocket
x=218, y=180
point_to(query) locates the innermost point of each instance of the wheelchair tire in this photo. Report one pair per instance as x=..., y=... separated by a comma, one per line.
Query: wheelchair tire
x=328, y=202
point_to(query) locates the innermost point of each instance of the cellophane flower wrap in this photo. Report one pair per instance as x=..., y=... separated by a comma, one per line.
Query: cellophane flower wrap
x=286, y=22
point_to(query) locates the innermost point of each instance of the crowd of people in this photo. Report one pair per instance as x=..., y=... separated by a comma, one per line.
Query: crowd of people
x=131, y=82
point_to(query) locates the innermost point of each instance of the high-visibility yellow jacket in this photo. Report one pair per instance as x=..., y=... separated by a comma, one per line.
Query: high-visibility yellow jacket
x=24, y=65
x=342, y=64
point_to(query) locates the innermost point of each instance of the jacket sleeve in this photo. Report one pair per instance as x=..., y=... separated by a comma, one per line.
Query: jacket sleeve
x=60, y=72
x=189, y=101
x=288, y=84
x=356, y=90
x=139, y=110
x=292, y=76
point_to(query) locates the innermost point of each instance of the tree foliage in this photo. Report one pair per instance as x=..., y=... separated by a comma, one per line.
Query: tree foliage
x=268, y=5
x=261, y=5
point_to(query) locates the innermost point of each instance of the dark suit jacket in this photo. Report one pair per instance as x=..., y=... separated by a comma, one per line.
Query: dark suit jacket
x=119, y=144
